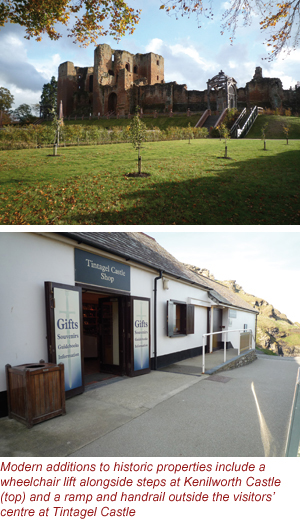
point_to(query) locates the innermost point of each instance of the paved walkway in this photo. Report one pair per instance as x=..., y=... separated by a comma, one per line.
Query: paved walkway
x=238, y=413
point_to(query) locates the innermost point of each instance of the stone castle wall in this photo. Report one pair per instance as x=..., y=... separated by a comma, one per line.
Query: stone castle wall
x=120, y=81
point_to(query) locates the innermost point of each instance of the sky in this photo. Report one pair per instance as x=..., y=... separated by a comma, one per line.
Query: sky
x=191, y=55
x=265, y=264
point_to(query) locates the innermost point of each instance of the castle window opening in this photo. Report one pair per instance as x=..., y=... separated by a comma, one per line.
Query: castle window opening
x=127, y=67
x=135, y=69
x=157, y=78
x=111, y=72
x=91, y=82
x=157, y=63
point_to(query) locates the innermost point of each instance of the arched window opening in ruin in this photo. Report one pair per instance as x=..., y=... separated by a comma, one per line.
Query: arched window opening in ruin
x=112, y=102
x=91, y=82
x=135, y=69
x=112, y=57
x=224, y=90
x=127, y=67
x=157, y=63
x=111, y=72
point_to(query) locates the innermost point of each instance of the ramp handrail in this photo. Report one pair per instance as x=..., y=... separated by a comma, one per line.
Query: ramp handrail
x=293, y=439
x=221, y=332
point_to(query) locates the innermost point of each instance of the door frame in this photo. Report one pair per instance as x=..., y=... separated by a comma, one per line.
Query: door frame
x=50, y=325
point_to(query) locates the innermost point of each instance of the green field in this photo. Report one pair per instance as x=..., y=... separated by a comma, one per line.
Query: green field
x=188, y=184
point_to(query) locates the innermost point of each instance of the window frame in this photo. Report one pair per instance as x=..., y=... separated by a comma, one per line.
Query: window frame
x=186, y=318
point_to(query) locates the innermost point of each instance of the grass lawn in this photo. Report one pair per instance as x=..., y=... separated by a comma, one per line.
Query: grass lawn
x=188, y=184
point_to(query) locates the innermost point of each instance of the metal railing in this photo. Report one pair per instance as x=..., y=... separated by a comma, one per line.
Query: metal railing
x=248, y=124
x=234, y=128
x=249, y=330
x=293, y=440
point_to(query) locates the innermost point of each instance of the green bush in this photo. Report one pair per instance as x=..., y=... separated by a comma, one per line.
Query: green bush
x=31, y=136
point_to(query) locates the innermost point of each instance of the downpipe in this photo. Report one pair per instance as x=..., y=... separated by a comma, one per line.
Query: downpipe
x=155, y=318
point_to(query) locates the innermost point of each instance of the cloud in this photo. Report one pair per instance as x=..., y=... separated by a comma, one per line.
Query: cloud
x=184, y=62
x=17, y=74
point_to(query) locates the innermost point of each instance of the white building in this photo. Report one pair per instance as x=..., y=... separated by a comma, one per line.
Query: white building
x=106, y=303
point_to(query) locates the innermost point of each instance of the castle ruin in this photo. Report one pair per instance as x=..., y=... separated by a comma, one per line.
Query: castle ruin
x=119, y=81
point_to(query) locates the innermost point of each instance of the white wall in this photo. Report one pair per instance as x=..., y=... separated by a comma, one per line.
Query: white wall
x=26, y=261
x=238, y=322
x=181, y=292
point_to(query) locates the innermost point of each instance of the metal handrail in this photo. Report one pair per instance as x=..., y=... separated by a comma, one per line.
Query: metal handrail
x=248, y=124
x=221, y=332
x=234, y=126
x=293, y=439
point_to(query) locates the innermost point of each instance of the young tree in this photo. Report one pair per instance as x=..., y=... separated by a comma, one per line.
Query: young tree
x=263, y=133
x=48, y=101
x=281, y=19
x=137, y=134
x=6, y=99
x=286, y=130
x=40, y=17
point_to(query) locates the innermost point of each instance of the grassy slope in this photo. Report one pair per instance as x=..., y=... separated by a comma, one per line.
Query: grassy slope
x=274, y=129
x=162, y=122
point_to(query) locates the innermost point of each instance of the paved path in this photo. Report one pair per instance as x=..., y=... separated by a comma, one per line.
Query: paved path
x=238, y=413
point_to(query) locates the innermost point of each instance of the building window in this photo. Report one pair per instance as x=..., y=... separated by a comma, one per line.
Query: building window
x=180, y=318
x=157, y=78
x=135, y=69
x=111, y=72
x=157, y=63
x=127, y=67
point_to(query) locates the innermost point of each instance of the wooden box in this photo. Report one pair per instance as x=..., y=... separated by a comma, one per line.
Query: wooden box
x=36, y=392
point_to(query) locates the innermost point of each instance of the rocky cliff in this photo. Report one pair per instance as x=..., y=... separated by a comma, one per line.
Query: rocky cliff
x=275, y=331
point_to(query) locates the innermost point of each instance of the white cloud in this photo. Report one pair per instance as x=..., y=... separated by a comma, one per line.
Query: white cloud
x=154, y=46
x=17, y=74
x=48, y=67
x=184, y=62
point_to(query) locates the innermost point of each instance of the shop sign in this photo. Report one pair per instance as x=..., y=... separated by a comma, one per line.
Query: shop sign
x=141, y=335
x=67, y=335
x=100, y=271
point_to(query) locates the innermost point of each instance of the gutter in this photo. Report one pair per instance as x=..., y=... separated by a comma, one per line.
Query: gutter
x=155, y=318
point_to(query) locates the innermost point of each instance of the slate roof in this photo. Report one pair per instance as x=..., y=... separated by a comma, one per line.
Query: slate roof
x=141, y=248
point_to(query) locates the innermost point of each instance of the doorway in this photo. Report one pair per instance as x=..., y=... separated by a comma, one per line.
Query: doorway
x=112, y=102
x=217, y=327
x=102, y=350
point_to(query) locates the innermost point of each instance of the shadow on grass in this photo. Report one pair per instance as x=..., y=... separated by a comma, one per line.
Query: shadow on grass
x=263, y=191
